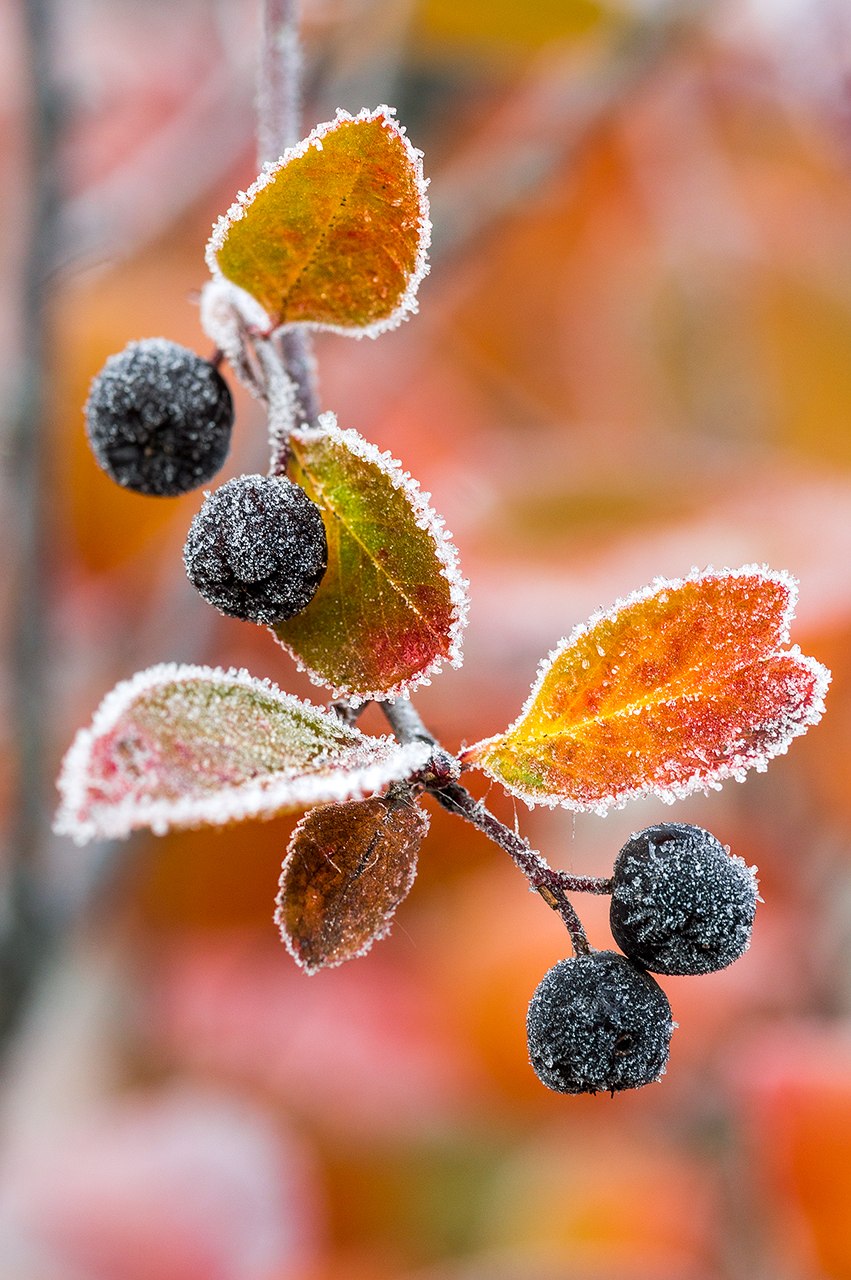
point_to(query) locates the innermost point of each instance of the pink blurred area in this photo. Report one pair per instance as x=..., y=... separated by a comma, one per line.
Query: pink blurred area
x=633, y=356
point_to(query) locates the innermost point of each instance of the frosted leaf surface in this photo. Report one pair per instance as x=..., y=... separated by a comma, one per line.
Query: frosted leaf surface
x=597, y=1023
x=681, y=903
x=347, y=869
x=392, y=605
x=682, y=685
x=334, y=234
x=185, y=746
x=256, y=550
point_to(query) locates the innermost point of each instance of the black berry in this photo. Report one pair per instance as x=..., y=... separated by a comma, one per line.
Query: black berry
x=598, y=1023
x=159, y=418
x=257, y=549
x=680, y=902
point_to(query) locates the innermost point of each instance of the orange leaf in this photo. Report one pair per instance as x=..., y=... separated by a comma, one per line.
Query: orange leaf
x=335, y=234
x=673, y=690
x=347, y=869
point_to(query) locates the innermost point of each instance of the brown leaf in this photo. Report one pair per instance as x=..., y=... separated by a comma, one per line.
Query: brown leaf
x=347, y=869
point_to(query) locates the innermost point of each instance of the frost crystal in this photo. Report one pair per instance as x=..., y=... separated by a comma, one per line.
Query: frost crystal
x=681, y=903
x=407, y=303
x=159, y=418
x=256, y=550
x=186, y=746
x=597, y=1023
x=449, y=568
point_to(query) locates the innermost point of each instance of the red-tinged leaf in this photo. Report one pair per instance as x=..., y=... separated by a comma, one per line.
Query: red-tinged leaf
x=679, y=687
x=347, y=869
x=335, y=234
x=183, y=746
x=392, y=604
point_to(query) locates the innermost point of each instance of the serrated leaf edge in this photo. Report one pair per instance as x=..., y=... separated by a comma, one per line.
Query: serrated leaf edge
x=738, y=767
x=427, y=519
x=254, y=799
x=310, y=969
x=407, y=305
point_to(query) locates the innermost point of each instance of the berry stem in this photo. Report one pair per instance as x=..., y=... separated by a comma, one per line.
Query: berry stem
x=408, y=726
x=585, y=884
x=548, y=883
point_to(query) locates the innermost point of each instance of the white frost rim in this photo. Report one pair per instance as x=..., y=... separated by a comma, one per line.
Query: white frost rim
x=377, y=762
x=738, y=766
x=425, y=518
x=407, y=304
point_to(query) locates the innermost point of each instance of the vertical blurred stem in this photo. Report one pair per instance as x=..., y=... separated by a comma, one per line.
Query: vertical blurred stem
x=279, y=127
x=25, y=925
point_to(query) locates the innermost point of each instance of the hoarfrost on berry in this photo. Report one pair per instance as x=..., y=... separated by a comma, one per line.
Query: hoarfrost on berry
x=681, y=904
x=257, y=549
x=159, y=418
x=597, y=1023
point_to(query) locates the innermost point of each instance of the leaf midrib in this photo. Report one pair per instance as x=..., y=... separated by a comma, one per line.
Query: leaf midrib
x=320, y=239
x=632, y=708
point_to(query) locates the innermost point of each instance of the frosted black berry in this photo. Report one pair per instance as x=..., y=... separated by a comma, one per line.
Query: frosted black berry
x=598, y=1023
x=159, y=418
x=680, y=902
x=257, y=549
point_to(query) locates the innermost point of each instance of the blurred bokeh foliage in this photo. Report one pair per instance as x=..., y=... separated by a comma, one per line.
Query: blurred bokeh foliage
x=633, y=355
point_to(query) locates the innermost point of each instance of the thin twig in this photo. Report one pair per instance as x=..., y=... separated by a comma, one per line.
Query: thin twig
x=406, y=722
x=279, y=81
x=279, y=127
x=548, y=883
x=553, y=886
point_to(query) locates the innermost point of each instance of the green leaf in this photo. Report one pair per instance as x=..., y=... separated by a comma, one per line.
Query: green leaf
x=392, y=604
x=335, y=234
x=347, y=869
x=184, y=746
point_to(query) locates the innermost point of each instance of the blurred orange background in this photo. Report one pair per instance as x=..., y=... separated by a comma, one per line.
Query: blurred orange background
x=633, y=356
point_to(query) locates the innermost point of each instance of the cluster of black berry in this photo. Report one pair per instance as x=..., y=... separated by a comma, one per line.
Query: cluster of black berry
x=159, y=421
x=680, y=905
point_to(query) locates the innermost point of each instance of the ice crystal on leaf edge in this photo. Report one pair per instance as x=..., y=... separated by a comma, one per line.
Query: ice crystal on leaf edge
x=425, y=518
x=736, y=767
x=407, y=305
x=374, y=763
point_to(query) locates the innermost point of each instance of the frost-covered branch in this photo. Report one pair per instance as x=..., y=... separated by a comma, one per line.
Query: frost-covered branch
x=279, y=127
x=553, y=886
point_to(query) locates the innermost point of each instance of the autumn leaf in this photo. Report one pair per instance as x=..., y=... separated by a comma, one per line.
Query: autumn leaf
x=335, y=234
x=392, y=604
x=184, y=746
x=347, y=869
x=673, y=690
